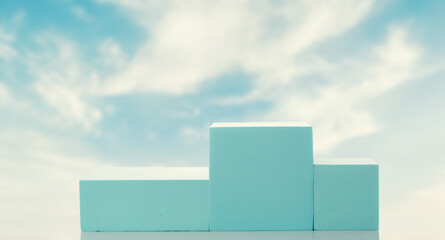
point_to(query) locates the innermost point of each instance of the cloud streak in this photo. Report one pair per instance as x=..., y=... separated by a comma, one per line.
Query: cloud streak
x=193, y=42
x=63, y=81
x=7, y=51
x=337, y=108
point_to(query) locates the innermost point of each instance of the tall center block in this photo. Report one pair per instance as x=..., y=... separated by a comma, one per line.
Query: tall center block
x=145, y=199
x=261, y=176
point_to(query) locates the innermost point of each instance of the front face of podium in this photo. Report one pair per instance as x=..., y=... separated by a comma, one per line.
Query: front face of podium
x=144, y=205
x=346, y=194
x=261, y=178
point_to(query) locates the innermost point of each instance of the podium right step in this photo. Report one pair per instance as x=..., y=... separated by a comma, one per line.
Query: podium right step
x=346, y=194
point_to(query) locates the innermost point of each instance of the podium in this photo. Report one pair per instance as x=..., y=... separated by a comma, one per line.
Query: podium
x=261, y=177
x=346, y=194
x=145, y=199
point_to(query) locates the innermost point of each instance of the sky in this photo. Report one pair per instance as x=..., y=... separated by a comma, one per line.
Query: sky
x=138, y=83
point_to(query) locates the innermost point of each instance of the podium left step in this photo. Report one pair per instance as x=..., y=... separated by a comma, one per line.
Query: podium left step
x=145, y=199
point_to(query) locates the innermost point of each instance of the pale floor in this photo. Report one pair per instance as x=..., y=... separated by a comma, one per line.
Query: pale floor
x=284, y=235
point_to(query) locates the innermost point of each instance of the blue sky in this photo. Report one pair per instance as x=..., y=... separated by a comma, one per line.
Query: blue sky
x=107, y=82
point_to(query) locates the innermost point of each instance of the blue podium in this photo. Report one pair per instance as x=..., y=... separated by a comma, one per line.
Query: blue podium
x=346, y=194
x=261, y=177
x=145, y=199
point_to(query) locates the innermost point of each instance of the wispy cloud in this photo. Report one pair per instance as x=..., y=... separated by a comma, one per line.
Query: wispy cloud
x=7, y=51
x=337, y=107
x=5, y=96
x=8, y=36
x=81, y=13
x=111, y=56
x=9, y=101
x=193, y=42
x=190, y=44
x=63, y=80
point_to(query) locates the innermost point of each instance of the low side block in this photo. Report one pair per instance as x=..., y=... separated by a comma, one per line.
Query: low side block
x=144, y=205
x=346, y=194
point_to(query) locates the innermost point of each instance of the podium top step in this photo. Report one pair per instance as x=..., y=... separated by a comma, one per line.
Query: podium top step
x=259, y=124
x=344, y=161
x=147, y=173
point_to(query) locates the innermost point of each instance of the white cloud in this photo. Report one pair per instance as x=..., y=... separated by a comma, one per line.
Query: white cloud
x=111, y=55
x=9, y=100
x=5, y=36
x=7, y=51
x=18, y=18
x=5, y=96
x=69, y=103
x=80, y=13
x=337, y=108
x=63, y=80
x=194, y=41
x=192, y=133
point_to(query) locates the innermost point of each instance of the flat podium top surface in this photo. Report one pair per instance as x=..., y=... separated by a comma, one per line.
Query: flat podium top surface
x=259, y=124
x=344, y=161
x=148, y=173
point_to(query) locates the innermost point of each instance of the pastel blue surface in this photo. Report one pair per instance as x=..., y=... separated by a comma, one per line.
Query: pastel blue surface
x=261, y=177
x=346, y=194
x=144, y=205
